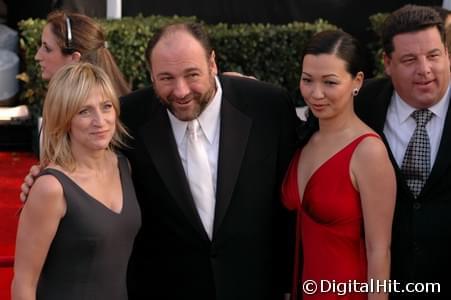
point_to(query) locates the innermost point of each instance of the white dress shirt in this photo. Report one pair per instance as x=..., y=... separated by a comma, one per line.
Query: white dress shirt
x=400, y=125
x=209, y=121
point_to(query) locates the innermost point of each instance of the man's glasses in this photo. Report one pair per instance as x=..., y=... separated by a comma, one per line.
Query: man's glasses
x=69, y=49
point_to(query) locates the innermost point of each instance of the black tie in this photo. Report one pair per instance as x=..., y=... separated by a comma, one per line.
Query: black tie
x=416, y=164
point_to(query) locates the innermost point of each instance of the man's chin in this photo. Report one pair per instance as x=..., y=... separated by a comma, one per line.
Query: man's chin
x=185, y=116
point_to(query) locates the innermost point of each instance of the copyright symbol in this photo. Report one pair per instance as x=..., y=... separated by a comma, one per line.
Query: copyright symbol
x=309, y=287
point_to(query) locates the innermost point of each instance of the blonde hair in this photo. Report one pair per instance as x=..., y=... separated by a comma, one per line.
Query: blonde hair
x=68, y=90
x=89, y=40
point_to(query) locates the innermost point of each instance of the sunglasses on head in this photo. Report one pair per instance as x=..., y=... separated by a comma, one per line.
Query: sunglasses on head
x=68, y=49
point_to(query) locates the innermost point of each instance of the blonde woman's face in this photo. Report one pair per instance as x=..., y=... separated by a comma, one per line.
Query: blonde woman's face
x=93, y=126
x=49, y=55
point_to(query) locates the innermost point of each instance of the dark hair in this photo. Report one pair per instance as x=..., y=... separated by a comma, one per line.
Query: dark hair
x=410, y=18
x=443, y=12
x=196, y=30
x=345, y=47
x=341, y=44
x=77, y=32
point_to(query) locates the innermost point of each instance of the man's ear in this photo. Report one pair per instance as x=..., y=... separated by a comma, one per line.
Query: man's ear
x=387, y=63
x=212, y=63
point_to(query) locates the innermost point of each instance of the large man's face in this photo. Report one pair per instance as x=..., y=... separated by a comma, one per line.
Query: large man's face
x=182, y=74
x=419, y=67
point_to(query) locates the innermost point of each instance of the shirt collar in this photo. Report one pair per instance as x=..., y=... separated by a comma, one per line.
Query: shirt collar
x=404, y=110
x=208, y=119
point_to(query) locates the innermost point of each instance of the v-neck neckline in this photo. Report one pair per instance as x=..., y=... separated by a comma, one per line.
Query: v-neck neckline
x=321, y=166
x=100, y=203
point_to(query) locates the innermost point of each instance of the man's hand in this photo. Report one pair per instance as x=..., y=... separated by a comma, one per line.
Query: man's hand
x=28, y=182
x=232, y=73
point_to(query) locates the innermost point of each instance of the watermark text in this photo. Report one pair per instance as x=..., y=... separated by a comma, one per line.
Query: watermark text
x=341, y=288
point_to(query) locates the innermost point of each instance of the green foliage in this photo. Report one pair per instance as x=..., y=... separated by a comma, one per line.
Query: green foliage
x=33, y=86
x=127, y=40
x=268, y=52
x=376, y=21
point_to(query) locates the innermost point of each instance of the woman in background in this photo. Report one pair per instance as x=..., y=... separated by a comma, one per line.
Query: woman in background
x=72, y=37
x=341, y=181
x=77, y=228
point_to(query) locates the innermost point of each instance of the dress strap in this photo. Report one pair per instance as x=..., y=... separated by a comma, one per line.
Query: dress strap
x=347, y=151
x=62, y=178
x=363, y=136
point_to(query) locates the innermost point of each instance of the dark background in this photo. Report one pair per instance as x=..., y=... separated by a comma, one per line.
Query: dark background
x=350, y=15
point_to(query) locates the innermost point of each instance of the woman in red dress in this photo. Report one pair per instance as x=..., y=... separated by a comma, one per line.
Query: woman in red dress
x=341, y=181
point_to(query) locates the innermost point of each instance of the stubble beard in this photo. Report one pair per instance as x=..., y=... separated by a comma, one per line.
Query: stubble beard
x=201, y=101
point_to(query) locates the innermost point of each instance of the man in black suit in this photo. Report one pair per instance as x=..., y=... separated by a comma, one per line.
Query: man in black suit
x=248, y=130
x=416, y=60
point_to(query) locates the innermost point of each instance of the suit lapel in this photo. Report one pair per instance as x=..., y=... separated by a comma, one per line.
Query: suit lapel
x=377, y=112
x=377, y=120
x=443, y=158
x=160, y=143
x=235, y=130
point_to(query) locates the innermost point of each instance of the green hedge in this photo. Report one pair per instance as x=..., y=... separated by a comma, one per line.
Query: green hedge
x=375, y=47
x=127, y=39
x=269, y=52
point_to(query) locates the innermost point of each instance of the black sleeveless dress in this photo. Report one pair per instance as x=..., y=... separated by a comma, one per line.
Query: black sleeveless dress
x=89, y=255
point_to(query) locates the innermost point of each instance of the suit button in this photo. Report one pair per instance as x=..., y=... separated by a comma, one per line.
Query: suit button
x=416, y=205
x=416, y=248
x=213, y=253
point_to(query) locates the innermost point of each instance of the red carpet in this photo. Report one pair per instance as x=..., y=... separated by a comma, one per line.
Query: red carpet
x=13, y=167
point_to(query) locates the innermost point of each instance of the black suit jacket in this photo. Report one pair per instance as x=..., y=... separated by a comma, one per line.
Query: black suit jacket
x=421, y=240
x=248, y=256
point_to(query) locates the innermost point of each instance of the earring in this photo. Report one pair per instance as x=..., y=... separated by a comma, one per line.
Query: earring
x=355, y=92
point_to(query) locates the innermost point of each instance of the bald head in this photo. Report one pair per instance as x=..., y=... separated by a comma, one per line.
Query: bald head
x=167, y=33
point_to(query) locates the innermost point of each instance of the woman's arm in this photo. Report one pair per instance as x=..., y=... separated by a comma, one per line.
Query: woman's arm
x=375, y=179
x=38, y=223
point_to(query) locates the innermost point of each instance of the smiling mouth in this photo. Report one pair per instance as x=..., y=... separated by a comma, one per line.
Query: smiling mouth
x=423, y=83
x=318, y=106
x=100, y=132
x=183, y=101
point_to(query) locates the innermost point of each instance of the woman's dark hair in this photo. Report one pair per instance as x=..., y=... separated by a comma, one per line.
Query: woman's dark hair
x=339, y=43
x=344, y=46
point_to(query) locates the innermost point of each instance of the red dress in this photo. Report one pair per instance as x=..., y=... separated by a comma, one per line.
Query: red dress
x=329, y=227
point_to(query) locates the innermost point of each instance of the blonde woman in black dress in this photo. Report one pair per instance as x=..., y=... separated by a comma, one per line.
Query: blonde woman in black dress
x=76, y=229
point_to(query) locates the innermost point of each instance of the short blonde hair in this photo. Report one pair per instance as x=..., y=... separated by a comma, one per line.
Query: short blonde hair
x=68, y=90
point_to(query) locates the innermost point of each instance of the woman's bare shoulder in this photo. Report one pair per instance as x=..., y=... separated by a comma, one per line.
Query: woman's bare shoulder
x=46, y=194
